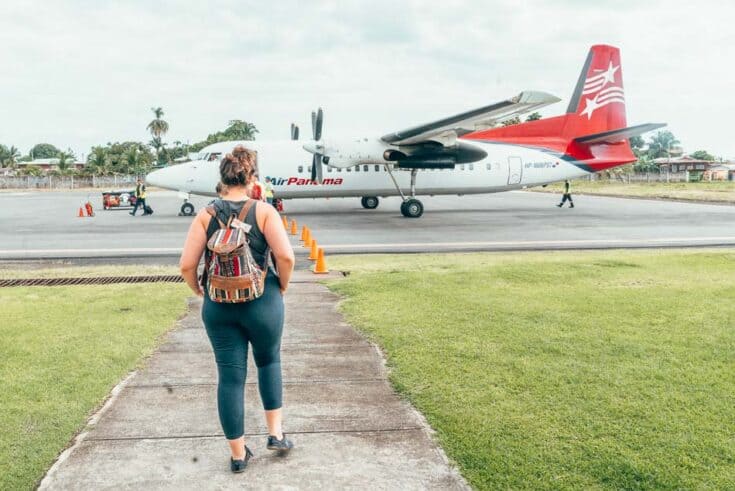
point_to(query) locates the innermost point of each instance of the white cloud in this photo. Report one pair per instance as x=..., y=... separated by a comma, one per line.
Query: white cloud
x=79, y=73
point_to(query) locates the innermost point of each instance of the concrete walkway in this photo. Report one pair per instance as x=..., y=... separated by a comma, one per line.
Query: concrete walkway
x=160, y=430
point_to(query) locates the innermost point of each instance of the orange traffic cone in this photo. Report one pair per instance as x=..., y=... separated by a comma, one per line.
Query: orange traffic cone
x=303, y=234
x=81, y=212
x=321, y=265
x=285, y=222
x=314, y=251
x=294, y=229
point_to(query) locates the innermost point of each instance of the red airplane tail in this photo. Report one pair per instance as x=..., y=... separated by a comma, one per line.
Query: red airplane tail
x=593, y=132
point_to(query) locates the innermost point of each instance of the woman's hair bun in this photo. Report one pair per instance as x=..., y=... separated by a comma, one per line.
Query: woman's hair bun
x=239, y=167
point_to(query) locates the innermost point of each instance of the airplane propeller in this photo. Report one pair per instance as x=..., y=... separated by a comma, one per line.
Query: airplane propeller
x=294, y=132
x=317, y=119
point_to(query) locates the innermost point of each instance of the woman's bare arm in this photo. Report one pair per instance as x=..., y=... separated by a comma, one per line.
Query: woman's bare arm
x=275, y=234
x=196, y=241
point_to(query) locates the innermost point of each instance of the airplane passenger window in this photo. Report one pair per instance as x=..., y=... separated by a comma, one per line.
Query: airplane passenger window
x=365, y=168
x=377, y=168
x=357, y=168
x=301, y=169
x=329, y=169
x=461, y=167
x=348, y=169
x=472, y=166
x=308, y=169
x=339, y=169
x=489, y=166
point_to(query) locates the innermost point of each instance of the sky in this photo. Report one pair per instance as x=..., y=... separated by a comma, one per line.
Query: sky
x=78, y=73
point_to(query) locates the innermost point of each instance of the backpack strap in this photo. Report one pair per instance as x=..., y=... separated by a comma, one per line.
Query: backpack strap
x=245, y=209
x=213, y=212
x=243, y=213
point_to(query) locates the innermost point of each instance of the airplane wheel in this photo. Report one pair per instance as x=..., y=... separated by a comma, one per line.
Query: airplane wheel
x=187, y=209
x=370, y=202
x=412, y=208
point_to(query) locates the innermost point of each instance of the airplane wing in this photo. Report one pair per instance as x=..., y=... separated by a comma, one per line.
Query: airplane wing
x=446, y=130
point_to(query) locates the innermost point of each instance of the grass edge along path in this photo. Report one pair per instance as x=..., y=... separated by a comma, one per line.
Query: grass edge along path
x=63, y=350
x=565, y=370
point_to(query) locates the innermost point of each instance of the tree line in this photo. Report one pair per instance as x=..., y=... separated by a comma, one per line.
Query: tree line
x=133, y=157
x=129, y=157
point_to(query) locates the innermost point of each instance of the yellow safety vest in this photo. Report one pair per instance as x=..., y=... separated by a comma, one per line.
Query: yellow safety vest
x=268, y=190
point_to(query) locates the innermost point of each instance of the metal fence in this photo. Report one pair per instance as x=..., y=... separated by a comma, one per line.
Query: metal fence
x=66, y=182
x=128, y=181
x=642, y=177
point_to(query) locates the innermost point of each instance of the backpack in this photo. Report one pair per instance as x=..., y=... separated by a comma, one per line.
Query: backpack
x=231, y=273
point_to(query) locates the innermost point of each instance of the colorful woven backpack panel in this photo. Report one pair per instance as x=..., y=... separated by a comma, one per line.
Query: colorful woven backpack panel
x=232, y=275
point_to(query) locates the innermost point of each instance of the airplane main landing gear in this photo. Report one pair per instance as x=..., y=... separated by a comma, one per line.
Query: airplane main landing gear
x=411, y=207
x=187, y=209
x=370, y=202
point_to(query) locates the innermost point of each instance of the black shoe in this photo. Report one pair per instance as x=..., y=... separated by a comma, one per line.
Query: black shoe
x=571, y=206
x=131, y=213
x=559, y=205
x=238, y=466
x=282, y=446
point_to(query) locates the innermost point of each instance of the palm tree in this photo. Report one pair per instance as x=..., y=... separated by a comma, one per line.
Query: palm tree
x=64, y=160
x=98, y=160
x=660, y=144
x=158, y=127
x=237, y=129
x=8, y=156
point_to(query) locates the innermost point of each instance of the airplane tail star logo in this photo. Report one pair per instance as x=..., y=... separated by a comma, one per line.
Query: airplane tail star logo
x=597, y=93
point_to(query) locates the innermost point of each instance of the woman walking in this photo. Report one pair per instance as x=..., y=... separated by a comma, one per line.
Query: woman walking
x=231, y=326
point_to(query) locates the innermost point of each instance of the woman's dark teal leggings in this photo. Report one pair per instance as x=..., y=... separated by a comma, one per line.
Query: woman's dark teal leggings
x=230, y=327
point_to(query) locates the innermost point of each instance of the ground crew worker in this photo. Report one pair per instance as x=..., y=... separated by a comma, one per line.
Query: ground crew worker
x=567, y=195
x=269, y=191
x=139, y=197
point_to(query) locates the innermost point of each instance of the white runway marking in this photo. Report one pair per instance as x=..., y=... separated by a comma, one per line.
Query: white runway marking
x=537, y=243
x=398, y=246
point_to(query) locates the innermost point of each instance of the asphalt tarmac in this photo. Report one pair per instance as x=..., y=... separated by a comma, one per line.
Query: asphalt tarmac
x=44, y=225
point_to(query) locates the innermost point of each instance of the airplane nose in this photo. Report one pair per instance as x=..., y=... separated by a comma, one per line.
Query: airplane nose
x=156, y=178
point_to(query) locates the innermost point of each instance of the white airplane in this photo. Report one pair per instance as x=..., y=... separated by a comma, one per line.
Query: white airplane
x=463, y=154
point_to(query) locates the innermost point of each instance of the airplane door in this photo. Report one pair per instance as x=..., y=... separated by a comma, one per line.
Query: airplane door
x=515, y=170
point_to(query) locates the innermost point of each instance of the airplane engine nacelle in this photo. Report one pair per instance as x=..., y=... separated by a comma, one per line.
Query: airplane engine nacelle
x=394, y=155
x=440, y=163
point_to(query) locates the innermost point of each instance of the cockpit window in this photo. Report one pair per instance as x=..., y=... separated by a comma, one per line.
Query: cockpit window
x=213, y=156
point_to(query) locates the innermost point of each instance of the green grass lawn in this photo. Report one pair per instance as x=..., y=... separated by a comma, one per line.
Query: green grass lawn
x=581, y=370
x=62, y=350
x=716, y=191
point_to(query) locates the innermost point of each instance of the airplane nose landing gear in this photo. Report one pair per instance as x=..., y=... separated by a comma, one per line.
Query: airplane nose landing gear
x=187, y=209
